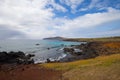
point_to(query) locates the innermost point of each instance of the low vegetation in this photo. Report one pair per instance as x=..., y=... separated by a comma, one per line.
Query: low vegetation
x=93, y=39
x=105, y=66
x=99, y=68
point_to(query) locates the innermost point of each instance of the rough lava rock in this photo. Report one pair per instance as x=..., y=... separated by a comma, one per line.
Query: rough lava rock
x=15, y=57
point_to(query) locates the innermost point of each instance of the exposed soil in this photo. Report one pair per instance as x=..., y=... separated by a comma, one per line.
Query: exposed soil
x=28, y=72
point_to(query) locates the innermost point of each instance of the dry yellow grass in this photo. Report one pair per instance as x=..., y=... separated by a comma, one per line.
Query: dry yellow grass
x=101, y=60
x=100, y=68
x=112, y=45
x=104, y=39
x=111, y=72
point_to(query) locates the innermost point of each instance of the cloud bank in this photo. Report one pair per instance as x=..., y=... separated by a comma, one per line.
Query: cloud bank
x=36, y=19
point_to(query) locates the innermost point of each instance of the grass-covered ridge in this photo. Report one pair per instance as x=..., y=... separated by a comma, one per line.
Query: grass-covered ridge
x=94, y=39
x=104, y=66
x=99, y=68
x=98, y=61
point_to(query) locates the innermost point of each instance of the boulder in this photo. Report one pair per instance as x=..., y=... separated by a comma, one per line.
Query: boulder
x=15, y=57
x=68, y=50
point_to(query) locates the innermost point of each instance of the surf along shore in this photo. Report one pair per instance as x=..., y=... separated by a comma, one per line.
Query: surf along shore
x=98, y=60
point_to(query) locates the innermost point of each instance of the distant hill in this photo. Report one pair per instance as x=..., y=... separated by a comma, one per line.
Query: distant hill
x=54, y=38
x=115, y=38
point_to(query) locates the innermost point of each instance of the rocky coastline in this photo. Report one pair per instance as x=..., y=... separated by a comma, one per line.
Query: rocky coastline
x=90, y=50
x=74, y=52
x=19, y=66
x=16, y=58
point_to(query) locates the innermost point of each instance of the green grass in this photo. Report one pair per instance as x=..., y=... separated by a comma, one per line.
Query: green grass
x=99, y=61
x=94, y=39
x=100, y=68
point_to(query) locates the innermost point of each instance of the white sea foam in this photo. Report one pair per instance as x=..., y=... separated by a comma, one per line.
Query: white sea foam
x=51, y=59
x=63, y=55
x=39, y=61
x=41, y=52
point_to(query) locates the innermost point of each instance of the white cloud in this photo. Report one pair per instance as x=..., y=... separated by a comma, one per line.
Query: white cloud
x=57, y=6
x=8, y=33
x=72, y=3
x=31, y=19
x=91, y=20
x=98, y=4
x=105, y=33
x=93, y=3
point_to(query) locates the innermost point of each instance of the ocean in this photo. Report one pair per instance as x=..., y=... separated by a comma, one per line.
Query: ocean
x=43, y=49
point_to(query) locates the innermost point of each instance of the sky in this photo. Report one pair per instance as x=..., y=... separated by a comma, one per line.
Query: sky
x=37, y=19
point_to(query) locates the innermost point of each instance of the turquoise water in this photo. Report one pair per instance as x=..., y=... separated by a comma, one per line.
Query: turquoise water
x=52, y=49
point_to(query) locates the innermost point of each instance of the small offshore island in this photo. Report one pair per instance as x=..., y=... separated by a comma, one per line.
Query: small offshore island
x=99, y=54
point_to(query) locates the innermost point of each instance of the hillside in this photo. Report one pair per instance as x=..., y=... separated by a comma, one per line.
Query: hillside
x=116, y=38
x=94, y=39
x=54, y=38
x=99, y=68
x=99, y=60
x=102, y=63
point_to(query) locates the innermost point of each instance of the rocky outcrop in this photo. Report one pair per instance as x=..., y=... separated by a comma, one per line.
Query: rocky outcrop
x=92, y=50
x=37, y=44
x=71, y=50
x=15, y=57
x=100, y=48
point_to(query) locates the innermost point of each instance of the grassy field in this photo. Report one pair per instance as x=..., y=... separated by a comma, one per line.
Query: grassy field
x=93, y=39
x=99, y=68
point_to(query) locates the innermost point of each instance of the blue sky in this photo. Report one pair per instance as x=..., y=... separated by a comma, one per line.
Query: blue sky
x=36, y=19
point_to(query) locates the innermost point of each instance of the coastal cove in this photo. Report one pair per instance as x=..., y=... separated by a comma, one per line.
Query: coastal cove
x=81, y=59
x=59, y=39
x=42, y=49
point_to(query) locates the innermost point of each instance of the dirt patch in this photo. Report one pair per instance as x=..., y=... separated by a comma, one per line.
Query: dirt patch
x=28, y=72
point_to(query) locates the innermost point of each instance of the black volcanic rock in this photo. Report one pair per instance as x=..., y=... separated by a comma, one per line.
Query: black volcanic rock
x=68, y=50
x=15, y=57
x=92, y=50
x=37, y=44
